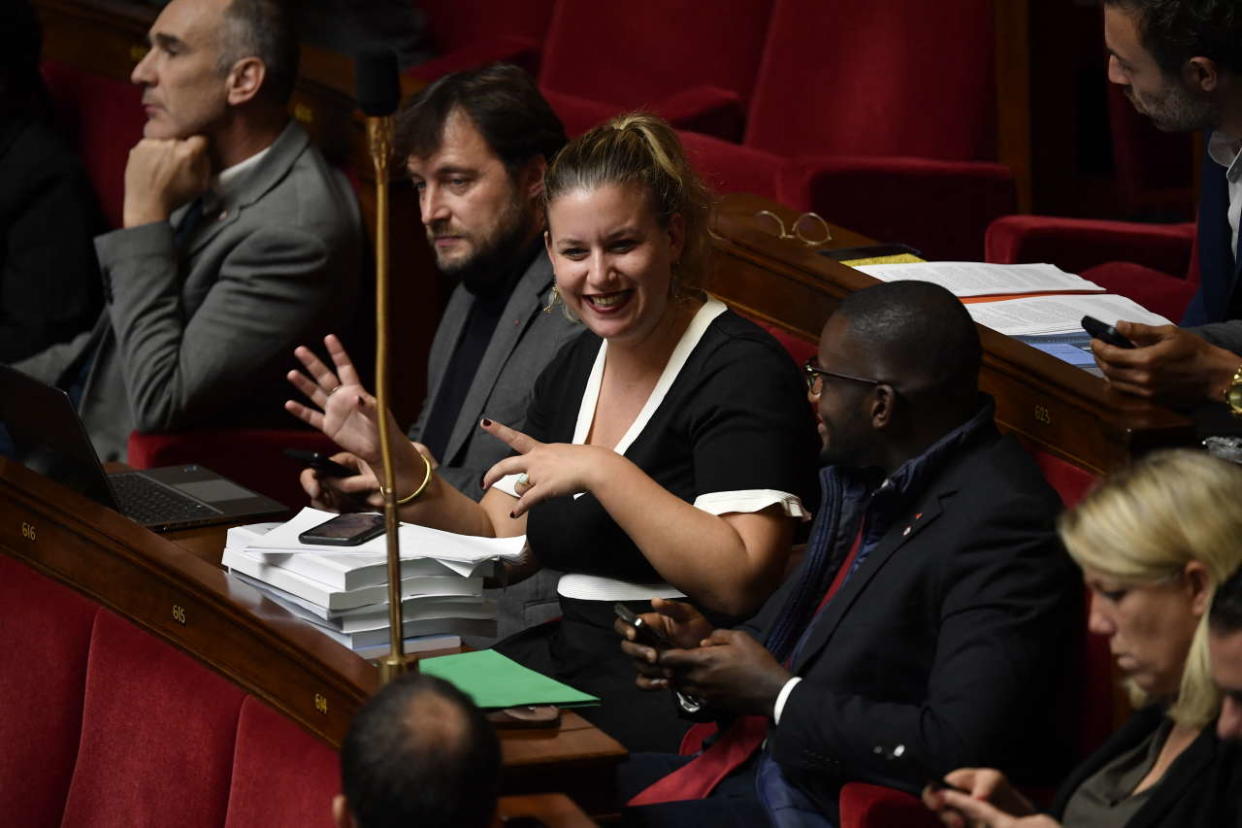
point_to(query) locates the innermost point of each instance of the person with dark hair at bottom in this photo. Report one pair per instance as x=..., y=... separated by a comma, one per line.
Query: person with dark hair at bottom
x=239, y=241
x=667, y=449
x=49, y=277
x=932, y=609
x=418, y=753
x=1180, y=63
x=1157, y=543
x=1225, y=656
x=476, y=145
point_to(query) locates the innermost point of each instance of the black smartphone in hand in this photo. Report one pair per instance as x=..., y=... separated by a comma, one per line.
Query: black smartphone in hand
x=1105, y=333
x=320, y=463
x=904, y=760
x=350, y=529
x=644, y=634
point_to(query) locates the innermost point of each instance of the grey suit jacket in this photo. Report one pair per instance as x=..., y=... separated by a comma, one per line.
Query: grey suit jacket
x=525, y=340
x=204, y=335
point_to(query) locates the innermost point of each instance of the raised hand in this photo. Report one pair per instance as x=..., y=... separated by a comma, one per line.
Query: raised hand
x=551, y=469
x=343, y=409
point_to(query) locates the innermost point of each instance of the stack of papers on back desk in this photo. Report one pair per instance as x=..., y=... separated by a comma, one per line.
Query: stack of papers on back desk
x=982, y=279
x=1057, y=315
x=342, y=590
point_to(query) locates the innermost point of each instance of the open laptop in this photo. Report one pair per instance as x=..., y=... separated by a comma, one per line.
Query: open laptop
x=47, y=436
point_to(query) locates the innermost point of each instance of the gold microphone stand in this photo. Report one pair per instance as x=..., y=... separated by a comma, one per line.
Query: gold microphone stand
x=379, y=136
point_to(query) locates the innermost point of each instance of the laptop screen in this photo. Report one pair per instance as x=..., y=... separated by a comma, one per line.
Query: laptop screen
x=42, y=431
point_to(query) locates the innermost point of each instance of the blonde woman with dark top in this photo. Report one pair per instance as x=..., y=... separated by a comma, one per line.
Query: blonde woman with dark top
x=1153, y=541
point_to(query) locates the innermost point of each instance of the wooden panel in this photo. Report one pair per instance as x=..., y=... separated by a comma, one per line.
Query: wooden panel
x=1057, y=406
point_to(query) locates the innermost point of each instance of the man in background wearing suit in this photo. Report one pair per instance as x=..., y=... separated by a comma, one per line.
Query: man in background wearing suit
x=476, y=144
x=931, y=613
x=1180, y=62
x=238, y=240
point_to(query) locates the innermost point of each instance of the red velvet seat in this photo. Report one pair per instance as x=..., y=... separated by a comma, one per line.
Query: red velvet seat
x=888, y=81
x=158, y=730
x=1153, y=264
x=282, y=777
x=104, y=118
x=732, y=168
x=109, y=725
x=45, y=636
x=692, y=65
x=469, y=33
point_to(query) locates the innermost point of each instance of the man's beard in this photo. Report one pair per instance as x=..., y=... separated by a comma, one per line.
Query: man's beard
x=486, y=269
x=1177, y=110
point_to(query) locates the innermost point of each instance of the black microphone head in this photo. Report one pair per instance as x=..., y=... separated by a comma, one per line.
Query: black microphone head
x=378, y=89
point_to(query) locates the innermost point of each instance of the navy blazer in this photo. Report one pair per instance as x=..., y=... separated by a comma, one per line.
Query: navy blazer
x=1218, y=297
x=949, y=638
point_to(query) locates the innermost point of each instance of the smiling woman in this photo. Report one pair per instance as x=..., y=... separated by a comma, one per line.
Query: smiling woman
x=668, y=450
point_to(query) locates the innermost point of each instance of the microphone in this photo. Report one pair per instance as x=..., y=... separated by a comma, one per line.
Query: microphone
x=378, y=92
x=376, y=83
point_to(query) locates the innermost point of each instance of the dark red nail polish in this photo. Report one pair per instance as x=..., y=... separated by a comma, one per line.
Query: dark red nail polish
x=512, y=516
x=486, y=423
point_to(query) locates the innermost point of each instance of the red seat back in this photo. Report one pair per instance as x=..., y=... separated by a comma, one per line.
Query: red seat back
x=47, y=628
x=878, y=77
x=638, y=53
x=110, y=725
x=104, y=119
x=282, y=777
x=157, y=734
x=456, y=24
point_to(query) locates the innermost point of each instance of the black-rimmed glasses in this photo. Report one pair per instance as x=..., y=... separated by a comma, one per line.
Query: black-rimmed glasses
x=814, y=376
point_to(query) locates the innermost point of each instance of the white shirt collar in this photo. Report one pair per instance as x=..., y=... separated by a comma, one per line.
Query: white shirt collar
x=1226, y=150
x=226, y=184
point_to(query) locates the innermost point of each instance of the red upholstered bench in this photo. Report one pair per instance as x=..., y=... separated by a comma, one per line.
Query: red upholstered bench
x=105, y=724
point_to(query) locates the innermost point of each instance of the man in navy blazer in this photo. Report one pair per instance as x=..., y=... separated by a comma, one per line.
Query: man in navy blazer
x=1180, y=62
x=931, y=613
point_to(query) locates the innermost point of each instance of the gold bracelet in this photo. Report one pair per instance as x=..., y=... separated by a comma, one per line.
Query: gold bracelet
x=422, y=487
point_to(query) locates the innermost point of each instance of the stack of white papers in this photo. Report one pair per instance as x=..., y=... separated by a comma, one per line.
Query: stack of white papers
x=343, y=590
x=982, y=279
x=1043, y=315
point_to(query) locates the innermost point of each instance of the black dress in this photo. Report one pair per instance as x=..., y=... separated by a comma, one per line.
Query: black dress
x=733, y=432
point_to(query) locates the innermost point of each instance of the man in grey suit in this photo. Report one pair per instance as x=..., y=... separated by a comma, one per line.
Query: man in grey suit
x=476, y=144
x=238, y=240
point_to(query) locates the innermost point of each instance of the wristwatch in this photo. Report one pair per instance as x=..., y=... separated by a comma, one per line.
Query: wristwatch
x=1233, y=393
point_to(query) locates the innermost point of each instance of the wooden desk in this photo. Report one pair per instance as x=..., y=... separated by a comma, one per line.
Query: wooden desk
x=173, y=587
x=1051, y=404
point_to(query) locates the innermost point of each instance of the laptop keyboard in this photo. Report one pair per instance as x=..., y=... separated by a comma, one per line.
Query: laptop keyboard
x=147, y=502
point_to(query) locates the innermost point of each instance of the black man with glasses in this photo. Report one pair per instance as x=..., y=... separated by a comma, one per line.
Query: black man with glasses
x=928, y=622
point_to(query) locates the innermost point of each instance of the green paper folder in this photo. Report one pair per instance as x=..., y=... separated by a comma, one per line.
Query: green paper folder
x=493, y=681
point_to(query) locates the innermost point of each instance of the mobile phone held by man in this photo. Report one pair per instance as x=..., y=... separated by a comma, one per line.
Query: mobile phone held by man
x=643, y=634
x=349, y=529
x=1105, y=333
